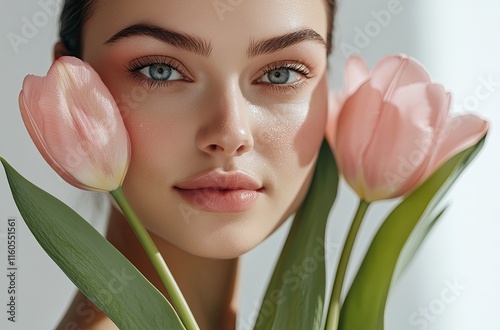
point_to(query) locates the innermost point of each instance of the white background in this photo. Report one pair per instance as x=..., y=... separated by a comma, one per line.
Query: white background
x=458, y=43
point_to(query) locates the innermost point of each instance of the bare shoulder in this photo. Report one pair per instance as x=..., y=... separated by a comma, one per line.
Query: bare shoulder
x=83, y=314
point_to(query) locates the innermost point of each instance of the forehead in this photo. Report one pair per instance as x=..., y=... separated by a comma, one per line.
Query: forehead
x=219, y=21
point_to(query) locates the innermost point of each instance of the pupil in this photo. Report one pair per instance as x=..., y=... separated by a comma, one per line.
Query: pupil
x=279, y=76
x=160, y=72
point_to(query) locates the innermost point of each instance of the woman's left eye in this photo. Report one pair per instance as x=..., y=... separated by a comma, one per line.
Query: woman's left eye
x=281, y=76
x=161, y=72
x=285, y=74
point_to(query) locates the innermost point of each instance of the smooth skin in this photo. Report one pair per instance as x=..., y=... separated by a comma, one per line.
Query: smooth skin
x=202, y=89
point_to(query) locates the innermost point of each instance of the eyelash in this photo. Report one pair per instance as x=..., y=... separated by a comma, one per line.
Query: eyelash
x=135, y=66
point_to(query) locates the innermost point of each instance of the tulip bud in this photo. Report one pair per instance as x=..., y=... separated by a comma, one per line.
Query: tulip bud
x=76, y=125
x=392, y=129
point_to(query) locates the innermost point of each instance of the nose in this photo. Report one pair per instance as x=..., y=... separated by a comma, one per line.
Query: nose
x=226, y=128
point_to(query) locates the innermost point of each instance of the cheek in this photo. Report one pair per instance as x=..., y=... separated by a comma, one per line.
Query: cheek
x=158, y=145
x=293, y=139
x=162, y=150
x=310, y=135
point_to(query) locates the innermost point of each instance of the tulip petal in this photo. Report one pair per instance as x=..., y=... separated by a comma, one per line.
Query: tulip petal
x=77, y=124
x=35, y=85
x=356, y=72
x=402, y=143
x=439, y=101
x=102, y=139
x=458, y=133
x=355, y=126
x=396, y=71
x=34, y=126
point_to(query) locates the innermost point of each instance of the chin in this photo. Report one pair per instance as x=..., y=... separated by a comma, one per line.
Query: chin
x=225, y=244
x=220, y=250
x=225, y=241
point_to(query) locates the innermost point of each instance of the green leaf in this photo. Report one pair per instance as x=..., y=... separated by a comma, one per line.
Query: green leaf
x=295, y=296
x=365, y=302
x=99, y=270
x=414, y=242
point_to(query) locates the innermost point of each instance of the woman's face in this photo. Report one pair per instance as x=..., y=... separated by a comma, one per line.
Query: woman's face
x=225, y=104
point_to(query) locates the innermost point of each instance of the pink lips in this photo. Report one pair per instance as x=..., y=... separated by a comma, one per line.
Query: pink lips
x=221, y=192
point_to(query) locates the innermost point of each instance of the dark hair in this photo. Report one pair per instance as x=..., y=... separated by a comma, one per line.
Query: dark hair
x=76, y=12
x=331, y=10
x=73, y=15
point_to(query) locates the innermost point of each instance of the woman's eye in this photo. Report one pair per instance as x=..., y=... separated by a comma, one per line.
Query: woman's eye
x=161, y=72
x=281, y=76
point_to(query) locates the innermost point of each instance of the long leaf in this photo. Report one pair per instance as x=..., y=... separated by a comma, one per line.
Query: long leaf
x=417, y=237
x=296, y=293
x=99, y=270
x=365, y=302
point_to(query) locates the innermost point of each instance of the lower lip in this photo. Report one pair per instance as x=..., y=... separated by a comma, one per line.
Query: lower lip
x=221, y=201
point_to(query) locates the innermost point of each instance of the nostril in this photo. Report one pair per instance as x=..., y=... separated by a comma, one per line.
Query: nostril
x=241, y=149
x=215, y=147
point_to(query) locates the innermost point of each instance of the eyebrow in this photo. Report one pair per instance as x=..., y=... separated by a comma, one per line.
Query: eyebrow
x=176, y=39
x=274, y=44
x=204, y=48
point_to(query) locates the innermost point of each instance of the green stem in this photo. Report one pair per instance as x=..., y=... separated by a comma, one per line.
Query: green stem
x=332, y=320
x=159, y=264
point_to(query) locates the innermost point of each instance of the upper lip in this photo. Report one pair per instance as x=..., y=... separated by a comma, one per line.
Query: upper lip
x=222, y=181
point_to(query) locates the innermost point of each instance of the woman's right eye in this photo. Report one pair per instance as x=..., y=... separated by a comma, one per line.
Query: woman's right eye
x=161, y=72
x=157, y=71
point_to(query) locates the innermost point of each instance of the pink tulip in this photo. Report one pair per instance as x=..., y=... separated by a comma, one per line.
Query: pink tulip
x=76, y=125
x=392, y=129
